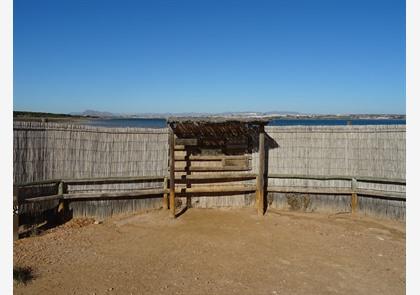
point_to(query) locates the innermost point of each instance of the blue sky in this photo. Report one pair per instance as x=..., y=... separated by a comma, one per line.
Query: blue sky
x=209, y=56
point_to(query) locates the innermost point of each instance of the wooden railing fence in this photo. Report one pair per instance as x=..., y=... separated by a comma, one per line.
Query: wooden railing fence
x=62, y=194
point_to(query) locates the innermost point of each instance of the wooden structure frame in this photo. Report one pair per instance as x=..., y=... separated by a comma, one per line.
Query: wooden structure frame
x=223, y=149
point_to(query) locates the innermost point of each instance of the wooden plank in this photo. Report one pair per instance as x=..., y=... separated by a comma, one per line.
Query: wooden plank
x=215, y=169
x=230, y=176
x=179, y=147
x=339, y=177
x=183, y=164
x=261, y=168
x=43, y=198
x=216, y=185
x=336, y=191
x=314, y=190
x=111, y=180
x=98, y=180
x=116, y=195
x=381, y=180
x=105, y=180
x=235, y=162
x=41, y=182
x=314, y=177
x=180, y=153
x=217, y=189
x=211, y=157
x=381, y=193
x=172, y=172
x=186, y=141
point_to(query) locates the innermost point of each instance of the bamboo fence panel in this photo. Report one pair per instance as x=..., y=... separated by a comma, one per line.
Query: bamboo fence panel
x=52, y=150
x=354, y=151
x=58, y=151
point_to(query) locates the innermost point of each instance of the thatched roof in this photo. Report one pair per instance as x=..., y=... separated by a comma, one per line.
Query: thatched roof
x=215, y=127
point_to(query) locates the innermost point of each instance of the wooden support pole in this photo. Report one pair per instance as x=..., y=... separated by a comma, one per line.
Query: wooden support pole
x=165, y=195
x=261, y=169
x=354, y=198
x=60, y=191
x=172, y=172
x=15, y=213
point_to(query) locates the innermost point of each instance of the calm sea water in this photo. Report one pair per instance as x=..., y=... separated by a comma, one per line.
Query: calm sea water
x=160, y=123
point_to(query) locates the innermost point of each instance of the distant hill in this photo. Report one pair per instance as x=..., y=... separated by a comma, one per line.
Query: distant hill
x=100, y=114
x=185, y=114
x=270, y=115
x=93, y=113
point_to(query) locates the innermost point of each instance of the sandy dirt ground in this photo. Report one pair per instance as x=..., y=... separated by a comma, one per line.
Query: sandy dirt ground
x=217, y=251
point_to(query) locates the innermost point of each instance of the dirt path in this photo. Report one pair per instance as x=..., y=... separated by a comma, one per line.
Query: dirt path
x=209, y=251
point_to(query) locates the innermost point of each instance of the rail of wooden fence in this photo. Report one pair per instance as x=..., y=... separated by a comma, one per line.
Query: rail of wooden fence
x=62, y=183
x=63, y=196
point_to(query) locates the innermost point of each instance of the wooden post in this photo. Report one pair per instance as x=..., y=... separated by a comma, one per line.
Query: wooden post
x=172, y=172
x=165, y=195
x=15, y=213
x=60, y=191
x=354, y=198
x=261, y=168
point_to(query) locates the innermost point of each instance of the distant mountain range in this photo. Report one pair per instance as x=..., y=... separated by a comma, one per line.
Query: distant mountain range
x=93, y=113
x=272, y=114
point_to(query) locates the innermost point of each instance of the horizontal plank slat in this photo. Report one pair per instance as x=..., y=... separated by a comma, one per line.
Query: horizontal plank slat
x=381, y=193
x=217, y=189
x=226, y=168
x=381, y=180
x=333, y=190
x=43, y=198
x=105, y=180
x=218, y=176
x=40, y=182
x=339, y=177
x=210, y=158
x=314, y=190
x=116, y=195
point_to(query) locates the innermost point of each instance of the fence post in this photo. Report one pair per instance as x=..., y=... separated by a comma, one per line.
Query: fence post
x=172, y=171
x=354, y=198
x=60, y=191
x=15, y=213
x=165, y=194
x=260, y=178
